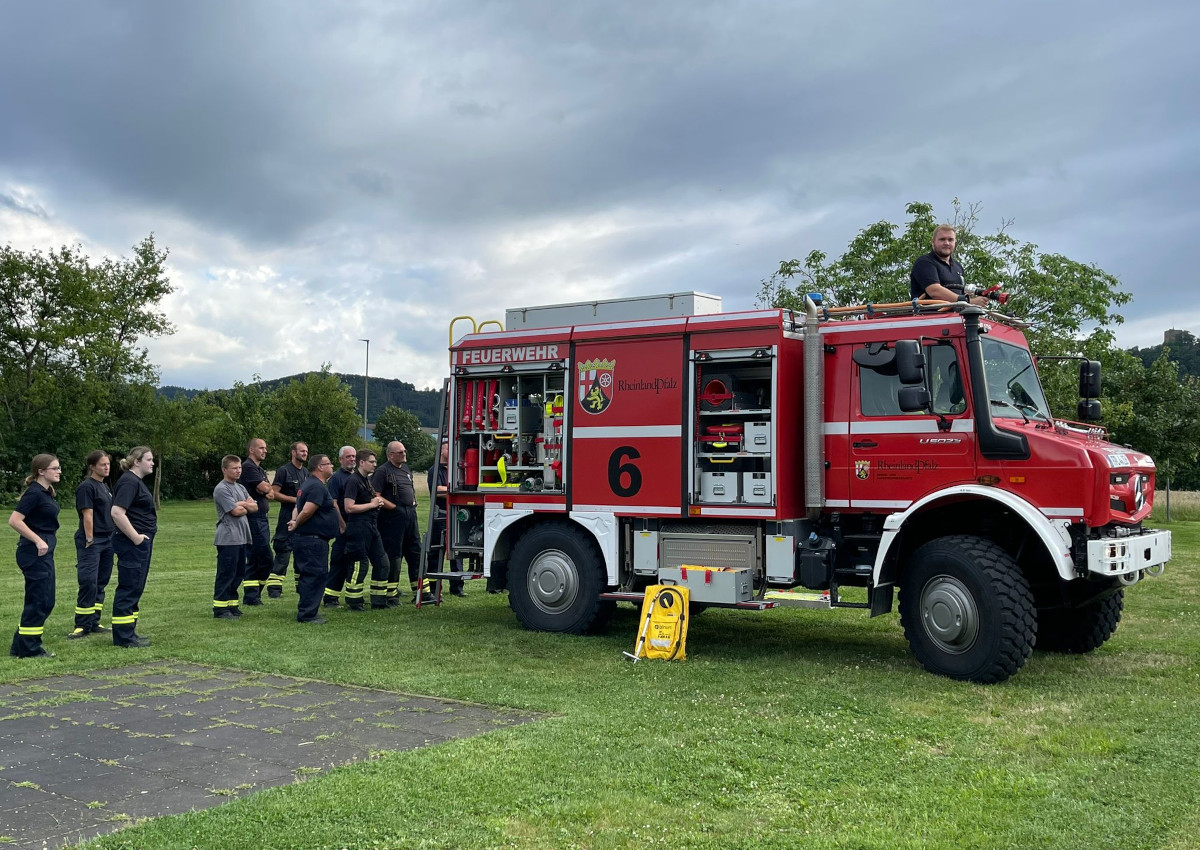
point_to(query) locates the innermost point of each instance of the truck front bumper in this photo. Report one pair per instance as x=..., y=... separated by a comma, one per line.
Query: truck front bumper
x=1127, y=556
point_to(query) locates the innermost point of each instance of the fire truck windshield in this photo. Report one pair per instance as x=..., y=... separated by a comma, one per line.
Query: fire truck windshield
x=1012, y=382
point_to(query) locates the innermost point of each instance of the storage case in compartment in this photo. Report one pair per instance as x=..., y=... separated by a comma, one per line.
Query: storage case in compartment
x=711, y=585
x=718, y=486
x=720, y=392
x=758, y=438
x=722, y=438
x=756, y=488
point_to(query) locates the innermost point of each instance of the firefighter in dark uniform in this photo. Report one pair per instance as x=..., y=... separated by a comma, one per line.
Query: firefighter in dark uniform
x=361, y=504
x=36, y=520
x=314, y=525
x=398, y=520
x=258, y=566
x=284, y=488
x=93, y=545
x=937, y=274
x=136, y=521
x=438, y=479
x=338, y=563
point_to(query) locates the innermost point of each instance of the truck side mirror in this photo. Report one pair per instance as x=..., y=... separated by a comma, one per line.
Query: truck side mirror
x=1088, y=410
x=910, y=363
x=912, y=399
x=1089, y=379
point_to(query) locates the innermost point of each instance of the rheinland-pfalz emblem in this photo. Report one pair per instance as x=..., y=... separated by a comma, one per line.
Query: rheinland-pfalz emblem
x=862, y=469
x=596, y=384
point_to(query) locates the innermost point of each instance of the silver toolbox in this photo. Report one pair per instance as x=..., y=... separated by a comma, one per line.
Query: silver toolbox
x=711, y=584
x=758, y=438
x=718, y=486
x=756, y=488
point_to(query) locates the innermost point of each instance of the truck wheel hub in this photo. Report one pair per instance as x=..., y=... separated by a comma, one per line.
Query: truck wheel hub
x=949, y=614
x=553, y=581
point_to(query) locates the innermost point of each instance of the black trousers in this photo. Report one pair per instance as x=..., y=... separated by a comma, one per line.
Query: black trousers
x=93, y=567
x=39, y=596
x=282, y=545
x=362, y=539
x=312, y=567
x=401, y=539
x=258, y=562
x=231, y=561
x=133, y=565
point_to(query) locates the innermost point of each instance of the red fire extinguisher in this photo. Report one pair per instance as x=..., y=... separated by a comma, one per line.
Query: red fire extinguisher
x=470, y=469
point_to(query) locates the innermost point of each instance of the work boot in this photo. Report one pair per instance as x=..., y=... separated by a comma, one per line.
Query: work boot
x=77, y=634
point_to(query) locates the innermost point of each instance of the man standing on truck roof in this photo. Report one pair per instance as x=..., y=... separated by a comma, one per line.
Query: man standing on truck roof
x=937, y=274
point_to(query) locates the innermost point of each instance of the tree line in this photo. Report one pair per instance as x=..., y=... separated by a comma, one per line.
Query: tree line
x=75, y=376
x=384, y=393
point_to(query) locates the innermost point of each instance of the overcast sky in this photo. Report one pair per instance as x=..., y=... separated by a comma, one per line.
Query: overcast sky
x=328, y=172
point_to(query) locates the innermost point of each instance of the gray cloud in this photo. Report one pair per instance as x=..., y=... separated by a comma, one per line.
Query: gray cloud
x=383, y=164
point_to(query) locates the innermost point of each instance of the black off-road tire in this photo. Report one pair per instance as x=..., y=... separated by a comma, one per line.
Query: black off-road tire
x=1079, y=630
x=555, y=578
x=967, y=610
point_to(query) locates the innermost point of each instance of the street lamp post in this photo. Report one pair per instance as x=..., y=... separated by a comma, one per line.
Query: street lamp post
x=366, y=385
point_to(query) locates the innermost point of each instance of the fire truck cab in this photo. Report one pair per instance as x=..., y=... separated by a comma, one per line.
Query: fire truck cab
x=769, y=458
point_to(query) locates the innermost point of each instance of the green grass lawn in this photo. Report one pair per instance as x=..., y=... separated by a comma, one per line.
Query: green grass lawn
x=789, y=728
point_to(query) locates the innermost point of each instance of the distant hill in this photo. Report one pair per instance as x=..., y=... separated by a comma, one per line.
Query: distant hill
x=1182, y=348
x=382, y=392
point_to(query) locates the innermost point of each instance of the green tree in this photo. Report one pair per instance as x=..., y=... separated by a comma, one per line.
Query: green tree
x=1157, y=412
x=396, y=424
x=249, y=413
x=1068, y=305
x=70, y=336
x=317, y=409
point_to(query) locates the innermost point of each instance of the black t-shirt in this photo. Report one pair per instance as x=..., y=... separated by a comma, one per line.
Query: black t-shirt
x=438, y=476
x=359, y=491
x=289, y=479
x=95, y=496
x=395, y=483
x=133, y=495
x=323, y=523
x=39, y=509
x=252, y=474
x=929, y=269
x=337, y=486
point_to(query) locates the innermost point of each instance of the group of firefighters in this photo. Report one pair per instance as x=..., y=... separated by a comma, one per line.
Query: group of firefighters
x=337, y=525
x=366, y=510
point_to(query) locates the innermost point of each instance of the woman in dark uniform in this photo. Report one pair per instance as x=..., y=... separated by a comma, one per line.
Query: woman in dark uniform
x=36, y=520
x=93, y=545
x=136, y=522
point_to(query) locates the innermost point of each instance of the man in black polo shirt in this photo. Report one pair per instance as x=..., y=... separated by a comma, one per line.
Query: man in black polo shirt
x=315, y=524
x=258, y=568
x=360, y=505
x=284, y=488
x=338, y=562
x=938, y=275
x=398, y=520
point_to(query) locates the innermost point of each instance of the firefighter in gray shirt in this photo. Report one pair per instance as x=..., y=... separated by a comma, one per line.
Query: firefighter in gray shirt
x=233, y=503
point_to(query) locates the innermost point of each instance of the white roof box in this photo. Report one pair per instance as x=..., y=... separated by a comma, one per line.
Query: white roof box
x=612, y=310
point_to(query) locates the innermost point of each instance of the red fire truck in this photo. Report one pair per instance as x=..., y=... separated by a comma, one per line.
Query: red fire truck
x=774, y=458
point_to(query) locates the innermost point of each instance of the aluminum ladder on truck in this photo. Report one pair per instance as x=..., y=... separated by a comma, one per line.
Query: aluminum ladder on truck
x=428, y=544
